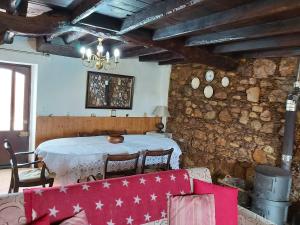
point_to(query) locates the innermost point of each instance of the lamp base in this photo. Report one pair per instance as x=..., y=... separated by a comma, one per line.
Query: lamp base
x=160, y=126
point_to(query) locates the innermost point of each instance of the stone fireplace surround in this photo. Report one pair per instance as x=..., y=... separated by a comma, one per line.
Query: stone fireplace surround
x=241, y=125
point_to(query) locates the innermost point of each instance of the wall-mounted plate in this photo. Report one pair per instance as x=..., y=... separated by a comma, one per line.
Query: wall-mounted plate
x=208, y=91
x=225, y=81
x=209, y=75
x=195, y=83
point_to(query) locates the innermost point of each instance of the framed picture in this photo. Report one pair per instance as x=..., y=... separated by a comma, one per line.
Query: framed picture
x=109, y=91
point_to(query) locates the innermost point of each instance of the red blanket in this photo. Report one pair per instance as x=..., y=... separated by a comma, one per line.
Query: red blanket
x=128, y=200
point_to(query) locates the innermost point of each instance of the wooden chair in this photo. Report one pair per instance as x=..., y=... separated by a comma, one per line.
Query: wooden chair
x=121, y=158
x=156, y=167
x=29, y=178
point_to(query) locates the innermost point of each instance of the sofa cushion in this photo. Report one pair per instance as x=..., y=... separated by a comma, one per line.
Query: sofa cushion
x=226, y=204
x=192, y=210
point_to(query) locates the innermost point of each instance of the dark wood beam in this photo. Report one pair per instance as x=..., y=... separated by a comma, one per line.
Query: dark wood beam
x=101, y=21
x=237, y=16
x=171, y=62
x=62, y=50
x=262, y=30
x=32, y=26
x=84, y=9
x=157, y=11
x=292, y=40
x=140, y=51
x=193, y=55
x=158, y=57
x=274, y=53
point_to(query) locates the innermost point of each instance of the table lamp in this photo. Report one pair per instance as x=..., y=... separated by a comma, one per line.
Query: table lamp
x=161, y=111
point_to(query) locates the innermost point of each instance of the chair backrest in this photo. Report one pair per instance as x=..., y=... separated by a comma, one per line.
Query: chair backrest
x=121, y=158
x=13, y=159
x=157, y=153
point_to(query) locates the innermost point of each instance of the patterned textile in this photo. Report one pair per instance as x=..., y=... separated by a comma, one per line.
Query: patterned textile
x=196, y=209
x=127, y=200
x=12, y=209
x=78, y=219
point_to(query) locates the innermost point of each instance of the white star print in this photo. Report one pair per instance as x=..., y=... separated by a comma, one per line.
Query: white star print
x=85, y=187
x=137, y=200
x=147, y=217
x=173, y=178
x=77, y=208
x=119, y=202
x=163, y=214
x=106, y=185
x=168, y=194
x=63, y=189
x=53, y=211
x=157, y=179
x=186, y=177
x=99, y=205
x=38, y=192
x=125, y=183
x=182, y=193
x=110, y=223
x=34, y=214
x=142, y=181
x=129, y=220
x=153, y=197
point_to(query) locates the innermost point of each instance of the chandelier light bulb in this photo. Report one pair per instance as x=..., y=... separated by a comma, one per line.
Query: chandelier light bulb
x=116, y=55
x=100, y=49
x=107, y=56
x=82, y=51
x=89, y=53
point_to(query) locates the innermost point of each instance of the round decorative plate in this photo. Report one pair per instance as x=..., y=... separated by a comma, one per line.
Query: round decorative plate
x=225, y=81
x=195, y=83
x=208, y=91
x=209, y=75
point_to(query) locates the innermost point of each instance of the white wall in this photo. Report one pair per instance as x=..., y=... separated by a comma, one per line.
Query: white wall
x=61, y=82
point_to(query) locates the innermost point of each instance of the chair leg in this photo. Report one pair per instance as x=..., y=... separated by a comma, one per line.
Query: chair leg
x=16, y=188
x=51, y=182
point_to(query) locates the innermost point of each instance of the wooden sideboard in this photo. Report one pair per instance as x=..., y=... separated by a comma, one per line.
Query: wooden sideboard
x=51, y=127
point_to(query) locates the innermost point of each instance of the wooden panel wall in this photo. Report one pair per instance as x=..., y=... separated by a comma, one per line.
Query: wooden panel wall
x=68, y=126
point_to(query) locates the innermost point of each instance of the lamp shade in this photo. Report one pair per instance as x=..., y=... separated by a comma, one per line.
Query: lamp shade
x=161, y=111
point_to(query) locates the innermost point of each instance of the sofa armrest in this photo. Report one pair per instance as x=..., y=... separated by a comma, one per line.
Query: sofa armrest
x=246, y=217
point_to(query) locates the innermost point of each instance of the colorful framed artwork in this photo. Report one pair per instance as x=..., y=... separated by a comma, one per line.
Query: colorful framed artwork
x=109, y=91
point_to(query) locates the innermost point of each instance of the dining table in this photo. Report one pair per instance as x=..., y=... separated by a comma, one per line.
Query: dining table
x=75, y=158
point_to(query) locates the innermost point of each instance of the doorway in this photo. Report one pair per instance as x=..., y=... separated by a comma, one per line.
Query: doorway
x=15, y=85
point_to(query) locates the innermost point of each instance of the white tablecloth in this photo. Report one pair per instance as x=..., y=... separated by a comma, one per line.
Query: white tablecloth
x=72, y=158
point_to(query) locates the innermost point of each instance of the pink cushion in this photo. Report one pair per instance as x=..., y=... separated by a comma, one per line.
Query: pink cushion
x=226, y=203
x=45, y=220
x=192, y=210
x=78, y=219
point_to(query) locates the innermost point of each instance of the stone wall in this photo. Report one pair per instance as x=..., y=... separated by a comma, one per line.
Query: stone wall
x=241, y=125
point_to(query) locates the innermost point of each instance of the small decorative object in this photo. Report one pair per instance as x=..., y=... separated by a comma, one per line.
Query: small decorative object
x=109, y=91
x=115, y=138
x=113, y=113
x=208, y=91
x=209, y=75
x=161, y=111
x=225, y=81
x=99, y=60
x=195, y=83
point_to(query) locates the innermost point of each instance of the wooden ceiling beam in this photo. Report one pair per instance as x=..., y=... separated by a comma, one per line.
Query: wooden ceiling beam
x=274, y=53
x=237, y=16
x=292, y=40
x=257, y=31
x=32, y=26
x=55, y=49
x=155, y=12
x=84, y=9
x=140, y=51
x=171, y=62
x=159, y=57
x=193, y=55
x=73, y=36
